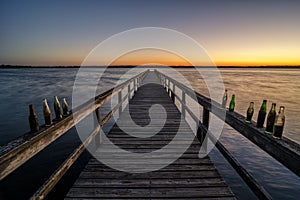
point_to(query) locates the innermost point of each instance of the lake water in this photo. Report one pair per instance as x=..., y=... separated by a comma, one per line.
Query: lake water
x=21, y=87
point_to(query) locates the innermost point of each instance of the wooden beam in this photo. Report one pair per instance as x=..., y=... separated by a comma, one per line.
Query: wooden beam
x=258, y=189
x=98, y=138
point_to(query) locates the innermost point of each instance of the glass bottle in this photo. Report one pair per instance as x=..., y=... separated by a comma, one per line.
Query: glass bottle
x=33, y=120
x=65, y=107
x=250, y=112
x=57, y=109
x=47, y=113
x=224, y=100
x=279, y=123
x=262, y=115
x=271, y=119
x=232, y=103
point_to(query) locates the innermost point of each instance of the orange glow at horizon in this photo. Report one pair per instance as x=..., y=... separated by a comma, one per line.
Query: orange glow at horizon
x=152, y=56
x=159, y=57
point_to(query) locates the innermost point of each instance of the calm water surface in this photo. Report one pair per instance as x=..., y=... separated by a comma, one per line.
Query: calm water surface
x=20, y=87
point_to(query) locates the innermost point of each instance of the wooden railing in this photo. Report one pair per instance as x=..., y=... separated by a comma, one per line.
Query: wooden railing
x=20, y=150
x=285, y=151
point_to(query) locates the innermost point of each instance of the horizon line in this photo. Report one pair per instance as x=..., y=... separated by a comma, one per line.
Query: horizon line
x=130, y=66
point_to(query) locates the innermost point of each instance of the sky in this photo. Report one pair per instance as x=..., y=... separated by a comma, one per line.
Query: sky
x=232, y=32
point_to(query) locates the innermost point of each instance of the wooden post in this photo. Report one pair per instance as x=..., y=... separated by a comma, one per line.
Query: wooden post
x=98, y=138
x=205, y=119
x=173, y=96
x=169, y=87
x=200, y=133
x=183, y=104
x=134, y=85
x=173, y=93
x=119, y=101
x=205, y=122
x=129, y=92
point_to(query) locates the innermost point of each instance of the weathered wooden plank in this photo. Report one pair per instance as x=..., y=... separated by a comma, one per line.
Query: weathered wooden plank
x=147, y=198
x=149, y=142
x=177, y=162
x=156, y=193
x=142, y=162
x=153, y=175
x=153, y=183
x=170, y=168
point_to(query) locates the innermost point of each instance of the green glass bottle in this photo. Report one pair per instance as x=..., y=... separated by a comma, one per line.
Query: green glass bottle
x=232, y=103
x=65, y=107
x=57, y=109
x=279, y=123
x=33, y=120
x=271, y=119
x=262, y=115
x=47, y=113
x=224, y=100
x=250, y=112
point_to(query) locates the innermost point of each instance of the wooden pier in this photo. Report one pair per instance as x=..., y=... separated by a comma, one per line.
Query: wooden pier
x=188, y=177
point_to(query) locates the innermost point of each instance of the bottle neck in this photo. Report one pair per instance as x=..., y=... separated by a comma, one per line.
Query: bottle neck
x=273, y=107
x=251, y=105
x=281, y=110
x=31, y=110
x=263, y=106
x=46, y=107
x=56, y=99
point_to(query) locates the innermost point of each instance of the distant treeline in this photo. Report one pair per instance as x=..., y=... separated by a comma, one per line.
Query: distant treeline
x=157, y=66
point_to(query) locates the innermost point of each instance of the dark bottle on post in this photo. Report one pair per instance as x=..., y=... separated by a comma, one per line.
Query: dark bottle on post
x=224, y=100
x=65, y=107
x=279, y=123
x=232, y=103
x=250, y=112
x=271, y=119
x=47, y=113
x=262, y=115
x=33, y=120
x=57, y=109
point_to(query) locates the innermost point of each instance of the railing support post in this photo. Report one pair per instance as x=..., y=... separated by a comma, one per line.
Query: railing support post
x=183, y=104
x=169, y=87
x=205, y=123
x=205, y=119
x=120, y=101
x=134, y=85
x=98, y=138
x=129, y=92
x=173, y=93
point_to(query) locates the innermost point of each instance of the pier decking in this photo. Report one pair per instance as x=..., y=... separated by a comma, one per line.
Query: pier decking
x=187, y=177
